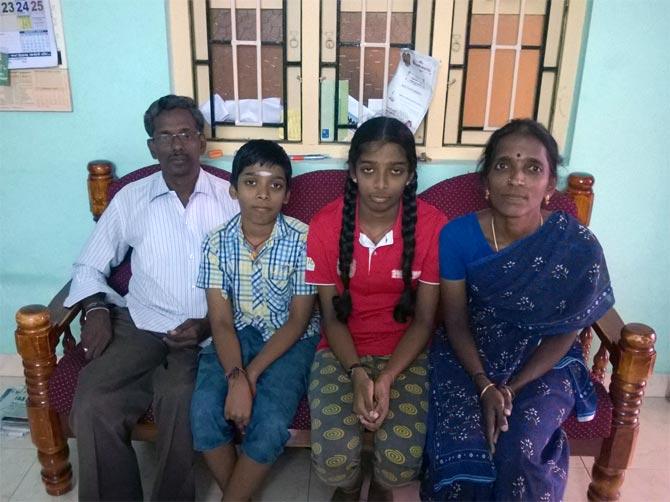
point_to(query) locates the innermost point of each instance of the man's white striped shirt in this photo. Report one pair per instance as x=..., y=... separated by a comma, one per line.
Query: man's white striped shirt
x=166, y=238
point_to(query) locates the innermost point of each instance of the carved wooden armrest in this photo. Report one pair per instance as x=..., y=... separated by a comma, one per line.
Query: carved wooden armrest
x=38, y=329
x=631, y=350
x=62, y=317
x=629, y=347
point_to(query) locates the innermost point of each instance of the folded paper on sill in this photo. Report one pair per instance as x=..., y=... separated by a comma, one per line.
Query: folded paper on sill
x=250, y=111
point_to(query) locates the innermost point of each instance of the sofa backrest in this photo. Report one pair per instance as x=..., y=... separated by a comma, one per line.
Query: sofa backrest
x=311, y=191
x=464, y=194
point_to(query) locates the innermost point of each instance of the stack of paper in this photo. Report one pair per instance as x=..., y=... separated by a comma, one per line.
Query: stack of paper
x=13, y=413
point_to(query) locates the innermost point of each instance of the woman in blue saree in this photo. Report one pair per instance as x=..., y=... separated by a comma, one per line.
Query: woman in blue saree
x=517, y=283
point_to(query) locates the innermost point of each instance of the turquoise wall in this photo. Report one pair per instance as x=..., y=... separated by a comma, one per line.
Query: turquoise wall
x=118, y=65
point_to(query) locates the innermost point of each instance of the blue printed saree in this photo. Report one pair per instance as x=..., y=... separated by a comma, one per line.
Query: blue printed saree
x=552, y=282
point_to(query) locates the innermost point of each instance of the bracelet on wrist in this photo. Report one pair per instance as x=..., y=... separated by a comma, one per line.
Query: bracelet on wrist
x=235, y=372
x=351, y=369
x=507, y=388
x=94, y=303
x=95, y=307
x=487, y=387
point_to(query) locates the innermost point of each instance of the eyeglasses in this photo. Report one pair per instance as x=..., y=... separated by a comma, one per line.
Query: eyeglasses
x=165, y=139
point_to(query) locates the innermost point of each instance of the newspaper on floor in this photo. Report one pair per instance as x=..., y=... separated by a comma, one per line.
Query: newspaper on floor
x=13, y=412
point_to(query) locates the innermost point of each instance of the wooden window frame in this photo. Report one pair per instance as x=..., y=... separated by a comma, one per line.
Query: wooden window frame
x=181, y=38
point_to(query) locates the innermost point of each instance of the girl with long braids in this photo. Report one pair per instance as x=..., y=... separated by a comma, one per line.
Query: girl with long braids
x=373, y=256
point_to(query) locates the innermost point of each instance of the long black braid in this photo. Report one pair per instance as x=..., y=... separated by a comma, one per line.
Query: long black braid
x=342, y=303
x=405, y=307
x=387, y=130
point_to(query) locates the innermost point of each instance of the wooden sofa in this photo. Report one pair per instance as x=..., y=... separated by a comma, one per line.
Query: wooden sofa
x=610, y=438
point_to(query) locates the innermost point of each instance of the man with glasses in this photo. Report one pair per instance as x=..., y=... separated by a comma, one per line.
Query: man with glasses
x=142, y=348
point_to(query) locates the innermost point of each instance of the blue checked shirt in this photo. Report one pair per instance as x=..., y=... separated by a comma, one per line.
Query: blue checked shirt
x=261, y=288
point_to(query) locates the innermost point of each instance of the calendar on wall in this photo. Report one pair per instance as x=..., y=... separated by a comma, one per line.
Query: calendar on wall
x=27, y=34
x=33, y=46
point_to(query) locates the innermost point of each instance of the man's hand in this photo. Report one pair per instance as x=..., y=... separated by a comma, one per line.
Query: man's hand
x=238, y=401
x=96, y=332
x=188, y=334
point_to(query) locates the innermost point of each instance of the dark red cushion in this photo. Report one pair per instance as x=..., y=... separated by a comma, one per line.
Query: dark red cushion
x=302, y=421
x=311, y=191
x=63, y=383
x=600, y=426
x=464, y=194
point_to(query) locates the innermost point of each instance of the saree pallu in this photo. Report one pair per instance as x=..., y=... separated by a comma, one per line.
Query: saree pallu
x=552, y=282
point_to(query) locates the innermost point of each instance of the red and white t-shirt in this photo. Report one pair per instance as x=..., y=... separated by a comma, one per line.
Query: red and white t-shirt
x=376, y=272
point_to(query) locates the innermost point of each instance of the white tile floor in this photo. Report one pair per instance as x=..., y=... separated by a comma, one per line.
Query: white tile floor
x=292, y=478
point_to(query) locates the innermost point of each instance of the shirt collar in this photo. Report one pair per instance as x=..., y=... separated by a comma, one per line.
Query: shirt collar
x=158, y=186
x=392, y=235
x=279, y=231
x=365, y=241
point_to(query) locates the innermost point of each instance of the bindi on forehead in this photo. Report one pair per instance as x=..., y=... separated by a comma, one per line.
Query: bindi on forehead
x=518, y=155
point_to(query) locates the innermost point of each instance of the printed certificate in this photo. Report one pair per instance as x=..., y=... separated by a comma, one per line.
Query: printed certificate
x=411, y=89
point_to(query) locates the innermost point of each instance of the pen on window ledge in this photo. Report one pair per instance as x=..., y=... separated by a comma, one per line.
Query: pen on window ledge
x=309, y=156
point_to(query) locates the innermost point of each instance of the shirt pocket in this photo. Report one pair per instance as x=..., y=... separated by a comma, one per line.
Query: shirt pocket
x=279, y=276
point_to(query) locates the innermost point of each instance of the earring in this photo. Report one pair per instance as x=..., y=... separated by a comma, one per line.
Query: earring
x=487, y=194
x=546, y=199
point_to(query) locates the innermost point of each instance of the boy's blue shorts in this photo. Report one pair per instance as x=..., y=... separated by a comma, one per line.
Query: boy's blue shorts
x=279, y=389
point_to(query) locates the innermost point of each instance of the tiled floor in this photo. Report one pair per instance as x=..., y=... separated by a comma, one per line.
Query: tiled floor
x=292, y=479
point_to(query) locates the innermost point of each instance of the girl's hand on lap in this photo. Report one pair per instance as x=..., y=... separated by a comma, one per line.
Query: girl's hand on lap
x=382, y=391
x=363, y=397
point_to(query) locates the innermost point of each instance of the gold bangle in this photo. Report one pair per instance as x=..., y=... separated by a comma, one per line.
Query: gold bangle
x=490, y=384
x=512, y=395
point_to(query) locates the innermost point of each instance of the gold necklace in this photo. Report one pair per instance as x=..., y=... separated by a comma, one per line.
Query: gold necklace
x=255, y=250
x=493, y=230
